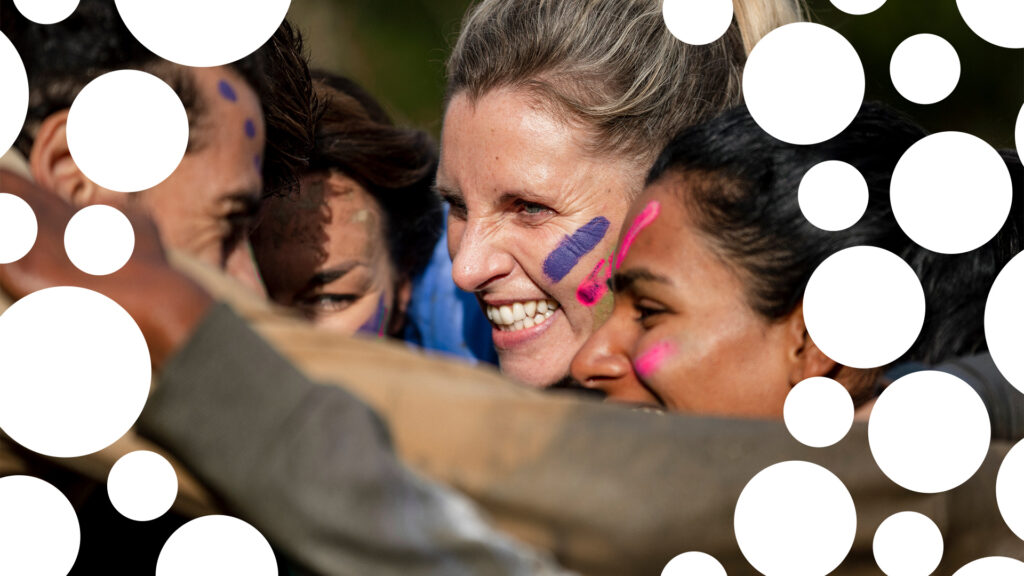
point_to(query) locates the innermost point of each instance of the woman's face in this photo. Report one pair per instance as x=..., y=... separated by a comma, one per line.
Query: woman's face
x=681, y=334
x=324, y=252
x=532, y=215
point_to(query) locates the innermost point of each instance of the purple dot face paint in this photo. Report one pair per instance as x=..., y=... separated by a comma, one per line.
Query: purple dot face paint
x=643, y=220
x=226, y=91
x=378, y=322
x=564, y=258
x=250, y=129
x=650, y=360
x=594, y=286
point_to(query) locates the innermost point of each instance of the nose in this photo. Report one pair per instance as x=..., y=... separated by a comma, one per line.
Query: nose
x=603, y=363
x=478, y=254
x=241, y=265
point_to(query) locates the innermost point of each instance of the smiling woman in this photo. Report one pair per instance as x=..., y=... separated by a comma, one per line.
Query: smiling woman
x=555, y=111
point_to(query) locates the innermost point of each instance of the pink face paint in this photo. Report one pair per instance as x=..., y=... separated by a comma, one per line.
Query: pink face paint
x=572, y=248
x=643, y=220
x=594, y=286
x=379, y=321
x=650, y=360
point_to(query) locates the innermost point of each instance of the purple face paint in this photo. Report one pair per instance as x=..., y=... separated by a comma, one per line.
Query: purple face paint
x=227, y=91
x=257, y=162
x=643, y=220
x=564, y=258
x=594, y=286
x=378, y=322
x=651, y=360
x=250, y=129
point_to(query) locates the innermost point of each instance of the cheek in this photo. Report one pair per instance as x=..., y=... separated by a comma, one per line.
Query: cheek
x=650, y=360
x=571, y=249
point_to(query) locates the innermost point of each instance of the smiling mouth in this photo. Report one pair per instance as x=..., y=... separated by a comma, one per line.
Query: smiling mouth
x=521, y=315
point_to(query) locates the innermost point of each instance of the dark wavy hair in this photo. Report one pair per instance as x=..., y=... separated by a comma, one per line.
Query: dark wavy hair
x=741, y=188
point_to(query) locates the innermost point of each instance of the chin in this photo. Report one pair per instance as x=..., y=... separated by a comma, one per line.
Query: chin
x=530, y=371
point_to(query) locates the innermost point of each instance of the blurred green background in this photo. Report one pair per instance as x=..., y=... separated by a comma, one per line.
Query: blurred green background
x=397, y=49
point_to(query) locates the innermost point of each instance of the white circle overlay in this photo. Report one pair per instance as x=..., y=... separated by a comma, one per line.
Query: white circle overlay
x=127, y=130
x=99, y=240
x=908, y=544
x=833, y=195
x=995, y=21
x=1009, y=494
x=216, y=545
x=13, y=94
x=1004, y=313
x=795, y=519
x=74, y=371
x=818, y=412
x=992, y=566
x=202, y=33
x=1018, y=134
x=697, y=23
x=46, y=11
x=929, y=431
x=693, y=564
x=18, y=228
x=864, y=307
x=803, y=83
x=142, y=485
x=858, y=7
x=39, y=531
x=925, y=68
x=951, y=192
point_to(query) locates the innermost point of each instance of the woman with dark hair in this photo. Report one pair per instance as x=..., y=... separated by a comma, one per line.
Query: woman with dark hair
x=344, y=244
x=708, y=312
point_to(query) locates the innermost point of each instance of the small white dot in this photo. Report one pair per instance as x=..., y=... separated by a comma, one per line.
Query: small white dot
x=142, y=485
x=697, y=23
x=833, y=195
x=818, y=412
x=908, y=544
x=18, y=228
x=99, y=240
x=46, y=11
x=925, y=68
x=693, y=564
x=858, y=7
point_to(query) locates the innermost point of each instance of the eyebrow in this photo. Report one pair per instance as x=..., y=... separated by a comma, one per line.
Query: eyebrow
x=624, y=281
x=449, y=195
x=331, y=274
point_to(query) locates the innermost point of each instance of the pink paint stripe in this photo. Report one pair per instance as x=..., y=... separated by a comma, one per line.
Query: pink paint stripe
x=643, y=220
x=593, y=287
x=651, y=360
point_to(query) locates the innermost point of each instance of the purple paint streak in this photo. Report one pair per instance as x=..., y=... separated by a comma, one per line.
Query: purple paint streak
x=643, y=220
x=651, y=359
x=250, y=129
x=594, y=286
x=378, y=322
x=564, y=258
x=227, y=91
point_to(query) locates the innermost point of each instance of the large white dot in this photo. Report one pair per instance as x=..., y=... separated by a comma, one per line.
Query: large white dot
x=46, y=11
x=995, y=21
x=833, y=195
x=795, y=519
x=803, y=83
x=216, y=545
x=142, y=485
x=74, y=371
x=1018, y=134
x=13, y=94
x=818, y=412
x=864, y=307
x=992, y=566
x=951, y=192
x=99, y=240
x=202, y=33
x=18, y=228
x=127, y=130
x=693, y=564
x=697, y=23
x=1010, y=489
x=39, y=532
x=929, y=431
x=1004, y=319
x=908, y=544
x=858, y=7
x=925, y=68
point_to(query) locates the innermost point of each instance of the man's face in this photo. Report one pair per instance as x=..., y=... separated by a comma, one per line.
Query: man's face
x=207, y=206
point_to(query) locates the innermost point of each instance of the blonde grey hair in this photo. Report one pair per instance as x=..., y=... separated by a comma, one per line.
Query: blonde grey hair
x=612, y=66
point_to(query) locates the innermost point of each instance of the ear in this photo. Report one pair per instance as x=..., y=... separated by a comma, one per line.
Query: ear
x=806, y=360
x=403, y=295
x=52, y=166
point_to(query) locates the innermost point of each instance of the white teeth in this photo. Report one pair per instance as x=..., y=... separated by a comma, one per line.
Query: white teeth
x=530, y=308
x=518, y=311
x=519, y=315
